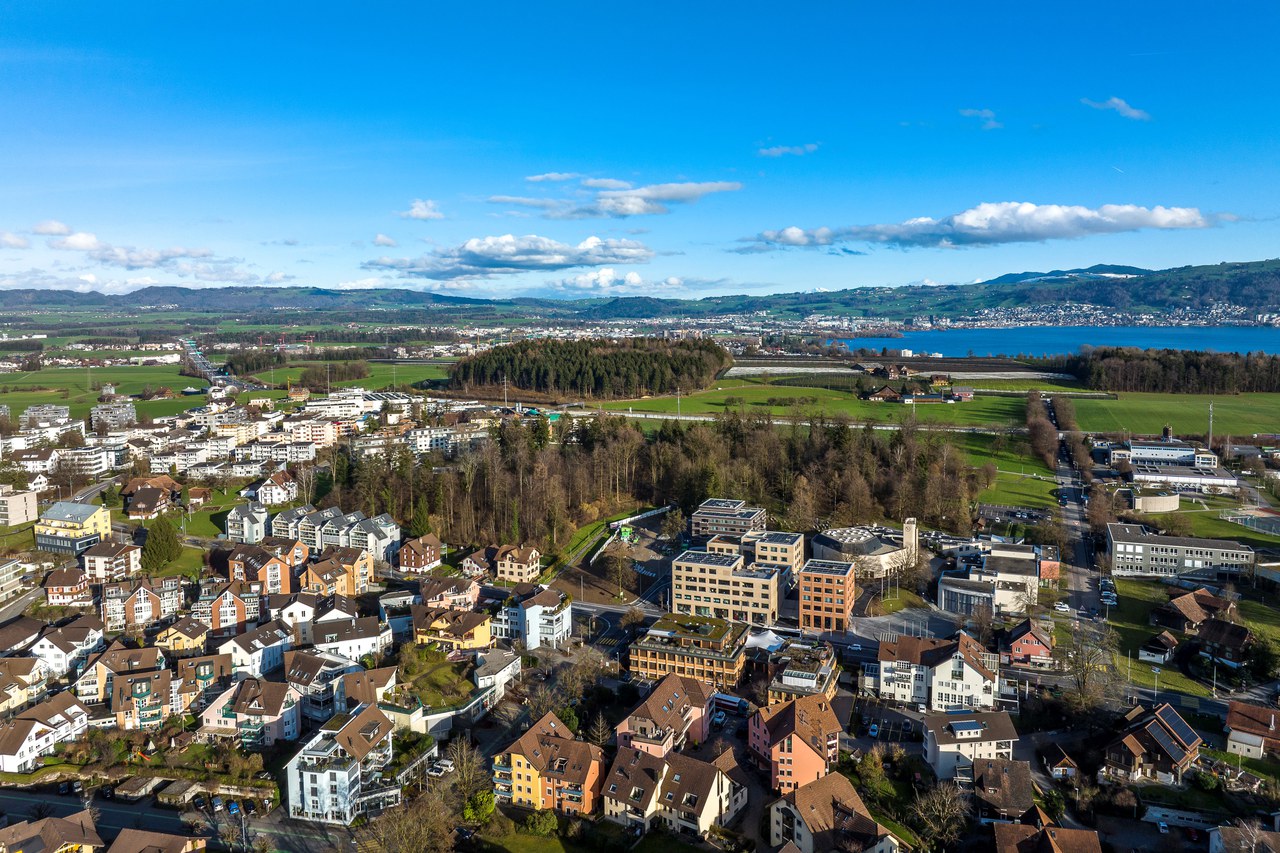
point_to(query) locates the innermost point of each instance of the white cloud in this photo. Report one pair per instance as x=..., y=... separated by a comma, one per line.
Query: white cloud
x=81, y=241
x=524, y=201
x=644, y=201
x=277, y=278
x=607, y=282
x=137, y=259
x=606, y=184
x=10, y=240
x=51, y=228
x=1120, y=106
x=990, y=224
x=422, y=208
x=988, y=118
x=485, y=257
x=384, y=240
x=553, y=176
x=793, y=150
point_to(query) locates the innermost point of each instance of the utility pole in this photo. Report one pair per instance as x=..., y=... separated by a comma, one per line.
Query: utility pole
x=677, y=403
x=1210, y=442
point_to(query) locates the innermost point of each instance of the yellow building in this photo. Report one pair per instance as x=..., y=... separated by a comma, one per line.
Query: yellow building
x=452, y=630
x=719, y=583
x=72, y=528
x=187, y=636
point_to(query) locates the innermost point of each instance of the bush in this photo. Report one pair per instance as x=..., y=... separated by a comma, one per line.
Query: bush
x=500, y=826
x=1205, y=781
x=542, y=822
x=479, y=808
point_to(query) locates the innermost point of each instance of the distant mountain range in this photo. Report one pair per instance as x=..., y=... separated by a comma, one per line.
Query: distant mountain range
x=1254, y=285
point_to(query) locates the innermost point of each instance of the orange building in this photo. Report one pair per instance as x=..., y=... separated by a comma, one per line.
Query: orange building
x=827, y=593
x=797, y=741
x=546, y=768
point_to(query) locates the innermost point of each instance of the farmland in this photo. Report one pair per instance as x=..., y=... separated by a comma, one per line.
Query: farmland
x=1147, y=414
x=71, y=387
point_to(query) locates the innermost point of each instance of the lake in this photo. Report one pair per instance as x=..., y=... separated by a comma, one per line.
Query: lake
x=1059, y=340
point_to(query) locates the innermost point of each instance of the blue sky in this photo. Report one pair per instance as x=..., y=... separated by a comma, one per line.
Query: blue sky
x=679, y=149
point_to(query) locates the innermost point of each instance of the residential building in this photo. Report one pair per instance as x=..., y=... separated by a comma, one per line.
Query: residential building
x=339, y=571
x=547, y=768
x=353, y=639
x=297, y=611
x=37, y=460
x=1026, y=644
x=72, y=528
x=114, y=416
x=36, y=732
x=146, y=503
x=72, y=834
x=132, y=840
x=827, y=595
x=16, y=507
x=319, y=678
x=938, y=675
x=256, y=714
x=676, y=711
x=1135, y=551
x=1003, y=791
x=228, y=607
x=1159, y=649
x=518, y=564
x=954, y=742
x=1153, y=744
x=368, y=686
x=64, y=650
x=685, y=795
x=137, y=604
x=797, y=741
x=1058, y=764
x=537, y=616
x=496, y=668
x=186, y=637
x=421, y=554
x=708, y=649
x=67, y=587
x=827, y=815
x=111, y=561
x=97, y=679
x=723, y=515
x=247, y=523
x=22, y=681
x=257, y=652
x=1252, y=730
x=1185, y=612
x=452, y=630
x=459, y=593
x=273, y=573
x=336, y=776
x=1019, y=838
x=207, y=675
x=711, y=583
x=278, y=488
x=145, y=700
x=803, y=668
x=1224, y=642
x=11, y=573
x=319, y=529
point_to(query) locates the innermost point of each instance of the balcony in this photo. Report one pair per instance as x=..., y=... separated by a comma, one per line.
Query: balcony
x=504, y=766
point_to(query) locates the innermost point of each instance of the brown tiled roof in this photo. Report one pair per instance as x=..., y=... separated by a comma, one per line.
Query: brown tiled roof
x=445, y=620
x=1225, y=634
x=637, y=775
x=428, y=544
x=433, y=588
x=835, y=814
x=190, y=627
x=1005, y=786
x=1235, y=838
x=361, y=688
x=688, y=784
x=1016, y=838
x=1163, y=641
x=65, y=576
x=363, y=732
x=810, y=718
x=51, y=834
x=132, y=840
x=256, y=697
x=666, y=703
x=1056, y=756
x=222, y=666
x=550, y=748
x=1254, y=719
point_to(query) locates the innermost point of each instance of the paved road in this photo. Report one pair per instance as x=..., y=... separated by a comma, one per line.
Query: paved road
x=114, y=815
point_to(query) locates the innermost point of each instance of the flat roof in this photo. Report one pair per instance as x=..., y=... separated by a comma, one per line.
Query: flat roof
x=778, y=538
x=708, y=558
x=1136, y=534
x=827, y=567
x=721, y=503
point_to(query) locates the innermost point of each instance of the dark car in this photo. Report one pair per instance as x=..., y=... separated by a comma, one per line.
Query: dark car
x=249, y=807
x=199, y=802
x=64, y=788
x=108, y=793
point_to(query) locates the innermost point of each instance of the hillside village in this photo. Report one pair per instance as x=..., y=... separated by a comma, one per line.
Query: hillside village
x=194, y=631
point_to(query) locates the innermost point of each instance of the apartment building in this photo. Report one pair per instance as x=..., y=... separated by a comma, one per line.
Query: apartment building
x=537, y=616
x=256, y=714
x=726, y=516
x=953, y=742
x=452, y=630
x=111, y=561
x=518, y=564
x=62, y=650
x=319, y=529
x=934, y=674
x=134, y=605
x=184, y=638
x=775, y=548
x=685, y=795
x=336, y=776
x=711, y=650
x=827, y=815
x=547, y=768
x=319, y=679
x=257, y=652
x=797, y=741
x=16, y=507
x=94, y=685
x=827, y=594
x=1136, y=551
x=228, y=607
x=145, y=700
x=803, y=668
x=273, y=572
x=247, y=523
x=677, y=709
x=722, y=585
x=114, y=416
x=72, y=528
x=338, y=571
x=421, y=554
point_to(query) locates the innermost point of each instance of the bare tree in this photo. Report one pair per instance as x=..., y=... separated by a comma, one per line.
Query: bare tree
x=542, y=700
x=599, y=731
x=940, y=813
x=1086, y=658
x=422, y=825
x=468, y=767
x=633, y=618
x=1245, y=836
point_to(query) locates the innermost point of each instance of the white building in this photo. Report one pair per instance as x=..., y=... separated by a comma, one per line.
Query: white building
x=247, y=523
x=335, y=777
x=496, y=668
x=538, y=616
x=63, y=650
x=953, y=742
x=352, y=638
x=35, y=732
x=937, y=675
x=257, y=652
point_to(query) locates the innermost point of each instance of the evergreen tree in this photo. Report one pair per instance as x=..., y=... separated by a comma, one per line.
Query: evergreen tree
x=162, y=546
x=420, y=525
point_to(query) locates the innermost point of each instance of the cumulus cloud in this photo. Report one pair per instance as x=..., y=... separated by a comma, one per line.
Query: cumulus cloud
x=991, y=224
x=524, y=201
x=1120, y=106
x=553, y=176
x=785, y=150
x=9, y=240
x=422, y=208
x=80, y=241
x=486, y=257
x=384, y=240
x=988, y=118
x=137, y=259
x=277, y=278
x=51, y=228
x=608, y=282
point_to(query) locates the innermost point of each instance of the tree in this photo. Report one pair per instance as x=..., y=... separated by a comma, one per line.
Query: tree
x=1054, y=805
x=940, y=814
x=420, y=525
x=468, y=767
x=1086, y=659
x=616, y=562
x=632, y=618
x=162, y=545
x=542, y=822
x=569, y=717
x=422, y=825
x=1245, y=836
x=479, y=807
x=599, y=731
x=673, y=524
x=542, y=700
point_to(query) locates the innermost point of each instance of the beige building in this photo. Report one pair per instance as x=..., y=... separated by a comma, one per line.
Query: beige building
x=702, y=647
x=16, y=507
x=719, y=583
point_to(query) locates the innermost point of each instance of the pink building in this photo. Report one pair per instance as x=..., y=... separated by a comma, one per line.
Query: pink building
x=797, y=741
x=452, y=592
x=678, y=710
x=255, y=713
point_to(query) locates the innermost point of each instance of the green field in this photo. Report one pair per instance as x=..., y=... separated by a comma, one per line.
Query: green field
x=988, y=411
x=69, y=386
x=380, y=375
x=1021, y=480
x=1146, y=414
x=1047, y=385
x=1131, y=622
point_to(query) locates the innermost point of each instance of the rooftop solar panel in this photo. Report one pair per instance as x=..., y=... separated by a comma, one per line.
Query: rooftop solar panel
x=1167, y=743
x=1177, y=725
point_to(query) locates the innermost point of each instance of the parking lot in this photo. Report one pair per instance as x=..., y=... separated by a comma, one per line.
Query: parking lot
x=875, y=720
x=1011, y=514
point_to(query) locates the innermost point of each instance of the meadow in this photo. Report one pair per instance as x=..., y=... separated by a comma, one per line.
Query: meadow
x=1147, y=414
x=70, y=386
x=380, y=375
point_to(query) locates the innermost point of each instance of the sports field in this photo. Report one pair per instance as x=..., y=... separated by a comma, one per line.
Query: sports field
x=1146, y=414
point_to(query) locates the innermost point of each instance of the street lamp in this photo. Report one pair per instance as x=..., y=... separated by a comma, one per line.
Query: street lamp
x=1155, y=696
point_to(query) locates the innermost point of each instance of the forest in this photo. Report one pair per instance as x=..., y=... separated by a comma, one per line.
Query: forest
x=594, y=368
x=1169, y=371
x=538, y=483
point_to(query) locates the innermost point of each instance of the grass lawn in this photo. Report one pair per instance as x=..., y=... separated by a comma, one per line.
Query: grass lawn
x=69, y=386
x=987, y=411
x=1262, y=618
x=1207, y=524
x=18, y=538
x=905, y=600
x=189, y=563
x=380, y=375
x=1021, y=479
x=1049, y=385
x=519, y=842
x=663, y=843
x=1131, y=622
x=444, y=684
x=1239, y=414
x=1268, y=768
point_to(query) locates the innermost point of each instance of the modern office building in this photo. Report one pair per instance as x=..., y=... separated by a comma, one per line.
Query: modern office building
x=1136, y=551
x=723, y=515
x=702, y=647
x=72, y=528
x=827, y=594
x=723, y=585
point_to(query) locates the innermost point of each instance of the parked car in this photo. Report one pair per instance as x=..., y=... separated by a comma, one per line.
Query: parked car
x=718, y=718
x=249, y=807
x=1163, y=827
x=77, y=786
x=445, y=764
x=1062, y=607
x=233, y=808
x=435, y=771
x=199, y=802
x=874, y=731
x=217, y=804
x=64, y=788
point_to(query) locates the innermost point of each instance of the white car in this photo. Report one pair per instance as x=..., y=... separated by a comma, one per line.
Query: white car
x=1062, y=607
x=445, y=764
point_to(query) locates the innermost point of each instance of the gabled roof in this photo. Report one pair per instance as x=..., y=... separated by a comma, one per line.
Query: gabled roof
x=363, y=687
x=1219, y=632
x=189, y=627
x=550, y=748
x=1254, y=719
x=834, y=814
x=1004, y=786
x=255, y=697
x=665, y=704
x=132, y=840
x=637, y=775
x=364, y=732
x=1017, y=838
x=339, y=631
x=51, y=834
x=809, y=718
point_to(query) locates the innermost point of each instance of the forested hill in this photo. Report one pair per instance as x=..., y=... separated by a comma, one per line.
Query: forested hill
x=594, y=368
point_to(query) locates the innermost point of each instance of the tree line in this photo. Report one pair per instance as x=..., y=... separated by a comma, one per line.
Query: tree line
x=1169, y=371
x=594, y=368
